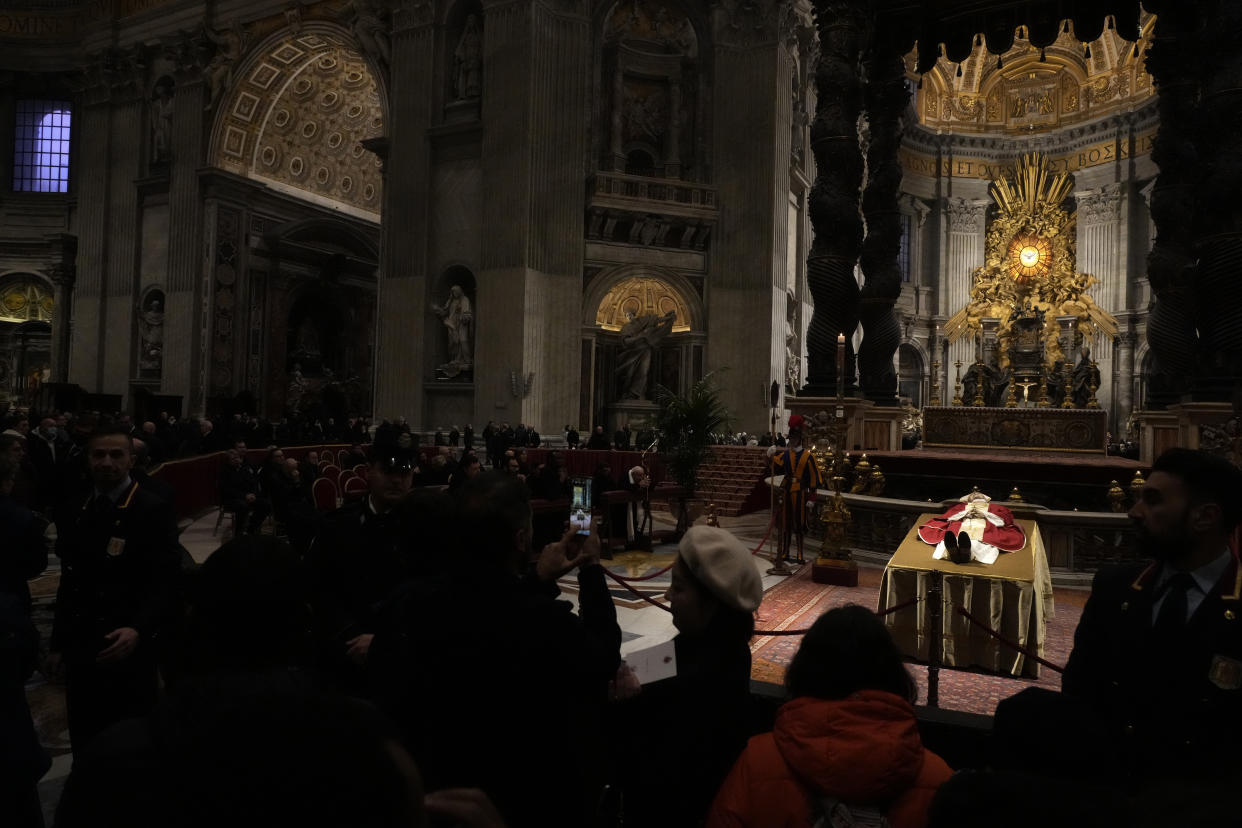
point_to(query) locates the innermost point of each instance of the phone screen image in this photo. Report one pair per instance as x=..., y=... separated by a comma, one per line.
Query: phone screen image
x=580, y=506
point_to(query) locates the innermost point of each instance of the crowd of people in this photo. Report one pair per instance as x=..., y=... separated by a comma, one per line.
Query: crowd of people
x=407, y=660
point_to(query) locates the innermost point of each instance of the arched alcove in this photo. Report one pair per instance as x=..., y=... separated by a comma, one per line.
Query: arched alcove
x=27, y=308
x=297, y=115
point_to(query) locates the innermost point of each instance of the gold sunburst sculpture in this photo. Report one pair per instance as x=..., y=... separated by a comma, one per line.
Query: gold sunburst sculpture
x=1030, y=261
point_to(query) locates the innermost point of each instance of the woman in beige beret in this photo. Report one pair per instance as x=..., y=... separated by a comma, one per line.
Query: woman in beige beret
x=702, y=715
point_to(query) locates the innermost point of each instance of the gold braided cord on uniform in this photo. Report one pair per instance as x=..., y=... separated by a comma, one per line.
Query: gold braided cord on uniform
x=1031, y=214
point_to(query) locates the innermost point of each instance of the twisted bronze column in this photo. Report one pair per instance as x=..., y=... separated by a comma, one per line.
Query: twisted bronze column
x=886, y=96
x=833, y=205
x=1172, y=62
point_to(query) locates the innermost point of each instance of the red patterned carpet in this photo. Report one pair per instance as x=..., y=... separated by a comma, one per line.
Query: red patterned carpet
x=796, y=602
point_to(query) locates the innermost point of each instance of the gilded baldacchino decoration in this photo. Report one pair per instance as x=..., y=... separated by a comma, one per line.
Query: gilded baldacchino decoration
x=1029, y=267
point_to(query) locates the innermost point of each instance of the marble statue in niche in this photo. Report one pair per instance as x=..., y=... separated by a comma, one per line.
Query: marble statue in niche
x=640, y=337
x=468, y=61
x=151, y=333
x=457, y=314
x=162, y=106
x=230, y=43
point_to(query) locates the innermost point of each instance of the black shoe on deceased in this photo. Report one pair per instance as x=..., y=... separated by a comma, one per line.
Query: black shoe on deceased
x=950, y=545
x=963, y=547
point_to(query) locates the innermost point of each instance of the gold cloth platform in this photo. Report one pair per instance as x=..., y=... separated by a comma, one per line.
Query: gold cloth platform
x=1082, y=430
x=1012, y=596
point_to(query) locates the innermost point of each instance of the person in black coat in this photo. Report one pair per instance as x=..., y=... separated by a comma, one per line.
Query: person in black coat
x=1158, y=652
x=704, y=712
x=468, y=437
x=23, y=554
x=358, y=557
x=598, y=440
x=523, y=665
x=119, y=568
x=241, y=493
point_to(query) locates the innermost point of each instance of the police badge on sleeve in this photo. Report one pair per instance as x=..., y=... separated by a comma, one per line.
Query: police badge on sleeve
x=1225, y=672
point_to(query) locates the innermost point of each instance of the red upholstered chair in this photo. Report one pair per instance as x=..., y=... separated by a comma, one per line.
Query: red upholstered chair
x=327, y=454
x=361, y=470
x=323, y=492
x=355, y=487
x=343, y=478
x=331, y=472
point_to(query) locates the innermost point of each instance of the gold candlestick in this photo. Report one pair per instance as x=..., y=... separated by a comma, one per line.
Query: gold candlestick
x=1011, y=399
x=935, y=384
x=957, y=385
x=1068, y=402
x=1042, y=401
x=1092, y=387
x=978, y=401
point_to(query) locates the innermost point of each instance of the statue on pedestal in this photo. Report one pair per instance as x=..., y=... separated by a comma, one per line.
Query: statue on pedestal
x=458, y=318
x=1086, y=375
x=640, y=336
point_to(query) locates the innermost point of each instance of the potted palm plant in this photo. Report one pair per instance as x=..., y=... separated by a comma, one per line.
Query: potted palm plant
x=685, y=424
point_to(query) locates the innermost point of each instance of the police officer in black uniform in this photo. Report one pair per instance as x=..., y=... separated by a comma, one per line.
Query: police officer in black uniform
x=359, y=556
x=119, y=568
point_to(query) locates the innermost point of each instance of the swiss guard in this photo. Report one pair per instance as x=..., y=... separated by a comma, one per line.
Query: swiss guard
x=802, y=478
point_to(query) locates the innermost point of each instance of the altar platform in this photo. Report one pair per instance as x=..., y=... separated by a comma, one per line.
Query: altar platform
x=1046, y=430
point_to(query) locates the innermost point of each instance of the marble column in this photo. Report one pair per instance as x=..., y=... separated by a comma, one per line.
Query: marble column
x=886, y=97
x=834, y=200
x=1100, y=254
x=1123, y=392
x=966, y=222
x=62, y=272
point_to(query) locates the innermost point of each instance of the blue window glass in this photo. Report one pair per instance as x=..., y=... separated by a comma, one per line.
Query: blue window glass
x=41, y=147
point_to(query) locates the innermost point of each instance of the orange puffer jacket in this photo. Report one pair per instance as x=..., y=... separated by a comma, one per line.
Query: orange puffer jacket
x=862, y=750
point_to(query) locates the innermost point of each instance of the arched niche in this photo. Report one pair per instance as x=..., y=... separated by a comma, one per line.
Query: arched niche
x=612, y=300
x=650, y=88
x=27, y=308
x=911, y=373
x=455, y=314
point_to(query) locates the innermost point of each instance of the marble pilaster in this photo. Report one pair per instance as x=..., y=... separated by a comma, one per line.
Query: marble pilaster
x=1100, y=254
x=400, y=359
x=966, y=226
x=182, y=363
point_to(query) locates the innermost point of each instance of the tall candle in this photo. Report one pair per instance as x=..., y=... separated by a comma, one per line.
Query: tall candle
x=840, y=365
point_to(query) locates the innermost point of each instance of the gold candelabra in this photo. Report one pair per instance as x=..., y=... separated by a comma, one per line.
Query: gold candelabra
x=1042, y=401
x=957, y=384
x=978, y=401
x=935, y=384
x=1011, y=399
x=1068, y=402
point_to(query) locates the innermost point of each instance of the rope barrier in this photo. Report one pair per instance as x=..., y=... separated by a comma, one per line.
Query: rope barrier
x=622, y=582
x=771, y=523
x=623, y=579
x=962, y=611
x=900, y=606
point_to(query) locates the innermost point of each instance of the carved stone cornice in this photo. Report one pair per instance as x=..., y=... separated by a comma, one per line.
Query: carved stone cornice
x=965, y=216
x=413, y=14
x=745, y=23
